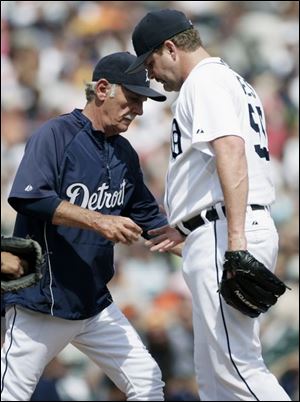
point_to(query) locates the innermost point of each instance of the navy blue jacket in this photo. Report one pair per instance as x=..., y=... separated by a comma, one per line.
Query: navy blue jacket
x=67, y=160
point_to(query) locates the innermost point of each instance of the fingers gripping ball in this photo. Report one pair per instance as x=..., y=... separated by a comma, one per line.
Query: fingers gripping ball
x=247, y=285
x=28, y=250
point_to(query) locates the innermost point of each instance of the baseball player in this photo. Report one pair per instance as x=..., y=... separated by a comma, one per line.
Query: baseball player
x=78, y=191
x=218, y=192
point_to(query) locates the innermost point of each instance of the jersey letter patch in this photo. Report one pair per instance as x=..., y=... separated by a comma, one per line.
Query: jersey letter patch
x=176, y=140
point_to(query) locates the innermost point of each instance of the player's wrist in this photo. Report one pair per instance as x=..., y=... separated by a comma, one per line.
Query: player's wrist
x=237, y=243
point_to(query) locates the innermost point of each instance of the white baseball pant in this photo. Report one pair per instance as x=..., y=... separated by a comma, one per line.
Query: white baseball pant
x=33, y=339
x=228, y=360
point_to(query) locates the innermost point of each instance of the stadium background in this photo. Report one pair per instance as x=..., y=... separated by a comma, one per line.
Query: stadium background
x=48, y=50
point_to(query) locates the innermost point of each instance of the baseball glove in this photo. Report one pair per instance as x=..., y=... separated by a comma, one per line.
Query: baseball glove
x=247, y=285
x=28, y=250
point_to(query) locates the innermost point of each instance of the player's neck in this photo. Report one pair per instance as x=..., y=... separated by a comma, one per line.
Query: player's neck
x=190, y=60
x=93, y=116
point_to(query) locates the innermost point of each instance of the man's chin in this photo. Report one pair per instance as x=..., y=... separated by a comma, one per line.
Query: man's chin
x=124, y=126
x=172, y=88
x=168, y=87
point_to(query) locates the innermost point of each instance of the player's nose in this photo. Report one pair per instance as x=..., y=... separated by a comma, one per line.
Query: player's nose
x=139, y=110
x=138, y=107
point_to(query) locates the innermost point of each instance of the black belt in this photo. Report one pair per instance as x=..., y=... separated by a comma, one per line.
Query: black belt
x=211, y=215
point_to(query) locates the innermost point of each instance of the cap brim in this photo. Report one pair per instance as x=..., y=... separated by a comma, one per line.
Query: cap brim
x=145, y=91
x=138, y=65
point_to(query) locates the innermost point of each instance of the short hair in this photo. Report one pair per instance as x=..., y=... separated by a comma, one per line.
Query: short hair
x=188, y=40
x=90, y=90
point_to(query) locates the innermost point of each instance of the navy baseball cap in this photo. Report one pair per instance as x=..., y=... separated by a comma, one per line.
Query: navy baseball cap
x=113, y=69
x=153, y=30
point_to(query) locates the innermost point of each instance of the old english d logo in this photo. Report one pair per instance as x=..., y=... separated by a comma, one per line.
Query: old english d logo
x=147, y=77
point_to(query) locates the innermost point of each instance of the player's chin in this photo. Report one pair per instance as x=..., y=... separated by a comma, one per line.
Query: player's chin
x=123, y=126
x=169, y=87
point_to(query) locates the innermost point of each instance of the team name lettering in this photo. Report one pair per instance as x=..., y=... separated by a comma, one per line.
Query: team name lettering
x=96, y=200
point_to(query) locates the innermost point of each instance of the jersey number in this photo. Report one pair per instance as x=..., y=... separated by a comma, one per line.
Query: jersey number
x=255, y=115
x=176, y=140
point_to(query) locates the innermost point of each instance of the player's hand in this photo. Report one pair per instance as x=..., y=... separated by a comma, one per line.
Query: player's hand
x=12, y=265
x=165, y=239
x=118, y=229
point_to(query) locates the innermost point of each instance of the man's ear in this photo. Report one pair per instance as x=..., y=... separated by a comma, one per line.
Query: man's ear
x=171, y=48
x=102, y=88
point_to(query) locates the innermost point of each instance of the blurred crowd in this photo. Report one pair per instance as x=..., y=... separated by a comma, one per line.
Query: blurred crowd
x=48, y=51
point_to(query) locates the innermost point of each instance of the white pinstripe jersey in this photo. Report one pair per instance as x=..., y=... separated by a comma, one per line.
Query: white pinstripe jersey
x=214, y=101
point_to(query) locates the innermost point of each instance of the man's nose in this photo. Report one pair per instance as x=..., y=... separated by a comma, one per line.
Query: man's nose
x=139, y=109
x=138, y=106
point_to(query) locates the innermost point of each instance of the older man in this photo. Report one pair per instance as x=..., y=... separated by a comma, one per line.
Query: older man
x=78, y=191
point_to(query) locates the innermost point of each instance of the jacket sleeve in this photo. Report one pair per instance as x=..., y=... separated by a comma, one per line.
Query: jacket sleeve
x=37, y=176
x=143, y=209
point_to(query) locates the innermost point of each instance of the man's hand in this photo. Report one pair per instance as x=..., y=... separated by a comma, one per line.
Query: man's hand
x=13, y=265
x=117, y=228
x=165, y=239
x=22, y=263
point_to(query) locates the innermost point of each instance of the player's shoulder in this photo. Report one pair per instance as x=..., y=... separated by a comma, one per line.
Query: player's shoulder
x=211, y=69
x=61, y=128
x=64, y=123
x=209, y=75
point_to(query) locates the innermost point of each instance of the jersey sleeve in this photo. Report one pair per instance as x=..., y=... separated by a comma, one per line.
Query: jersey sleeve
x=37, y=175
x=214, y=112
